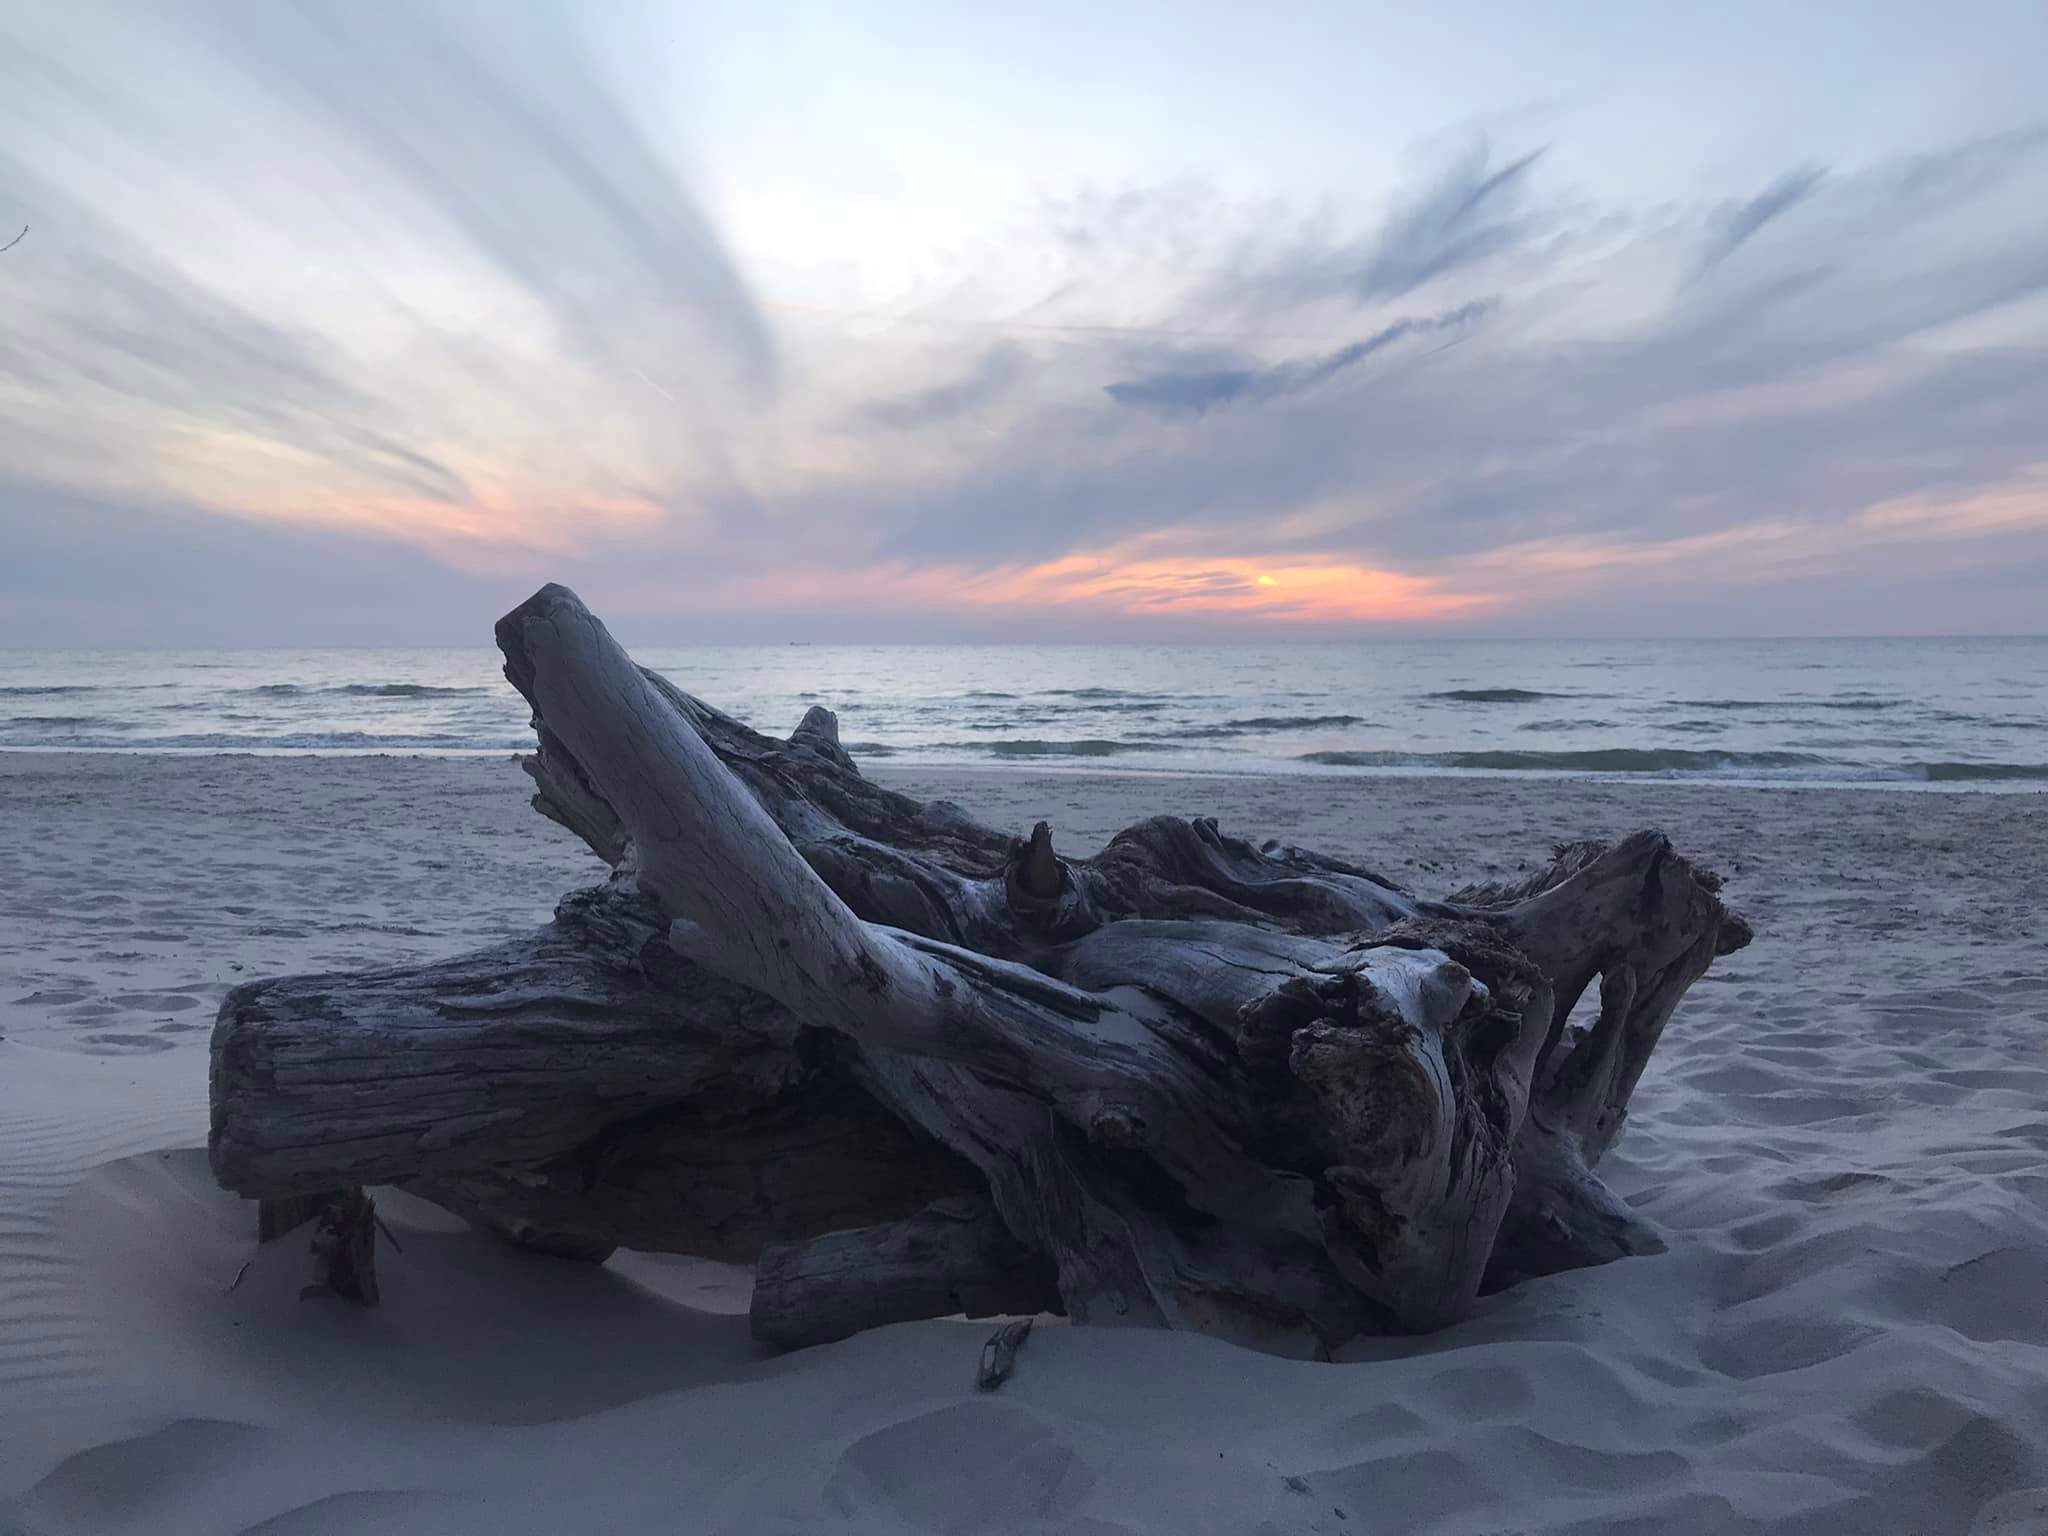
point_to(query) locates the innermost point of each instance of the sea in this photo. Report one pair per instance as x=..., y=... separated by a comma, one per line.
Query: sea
x=1957, y=714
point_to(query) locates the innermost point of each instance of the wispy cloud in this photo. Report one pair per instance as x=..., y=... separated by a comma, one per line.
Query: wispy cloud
x=1735, y=224
x=468, y=299
x=1193, y=393
x=384, y=273
x=503, y=135
x=1469, y=213
x=987, y=380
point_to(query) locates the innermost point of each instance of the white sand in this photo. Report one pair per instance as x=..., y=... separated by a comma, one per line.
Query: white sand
x=1846, y=1133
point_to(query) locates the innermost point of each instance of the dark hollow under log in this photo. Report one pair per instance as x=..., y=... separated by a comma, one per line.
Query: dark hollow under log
x=880, y=1047
x=955, y=1256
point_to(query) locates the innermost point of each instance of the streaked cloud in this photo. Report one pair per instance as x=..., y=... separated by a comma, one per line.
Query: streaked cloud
x=1735, y=224
x=1192, y=393
x=1472, y=212
x=985, y=381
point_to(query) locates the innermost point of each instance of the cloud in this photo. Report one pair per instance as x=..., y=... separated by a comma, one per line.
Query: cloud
x=375, y=268
x=1737, y=223
x=988, y=380
x=1193, y=393
x=1468, y=214
x=1794, y=396
x=1142, y=579
x=503, y=135
x=316, y=291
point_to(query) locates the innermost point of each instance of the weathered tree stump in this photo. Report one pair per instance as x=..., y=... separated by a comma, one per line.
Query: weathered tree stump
x=917, y=1066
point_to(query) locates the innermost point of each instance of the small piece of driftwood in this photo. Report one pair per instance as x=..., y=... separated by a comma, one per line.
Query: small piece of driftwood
x=999, y=1354
x=343, y=1250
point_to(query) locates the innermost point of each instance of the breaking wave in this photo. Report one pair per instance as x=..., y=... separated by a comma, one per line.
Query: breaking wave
x=1940, y=773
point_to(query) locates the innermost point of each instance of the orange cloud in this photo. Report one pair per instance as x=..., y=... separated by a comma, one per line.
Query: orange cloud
x=501, y=518
x=2000, y=509
x=1564, y=558
x=1129, y=580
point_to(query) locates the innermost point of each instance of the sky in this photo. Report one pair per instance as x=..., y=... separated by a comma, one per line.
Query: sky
x=349, y=324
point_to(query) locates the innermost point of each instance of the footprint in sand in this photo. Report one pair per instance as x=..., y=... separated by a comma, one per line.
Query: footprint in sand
x=360, y=1509
x=112, y=1044
x=941, y=1471
x=96, y=1488
x=157, y=1002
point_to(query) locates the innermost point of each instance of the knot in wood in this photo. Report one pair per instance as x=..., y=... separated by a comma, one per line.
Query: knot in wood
x=1116, y=1128
x=1267, y=1027
x=1380, y=1102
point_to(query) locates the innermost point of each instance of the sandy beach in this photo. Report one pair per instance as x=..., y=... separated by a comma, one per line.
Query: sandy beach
x=1844, y=1134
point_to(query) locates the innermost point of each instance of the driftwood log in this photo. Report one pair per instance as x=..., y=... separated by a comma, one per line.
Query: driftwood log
x=910, y=1065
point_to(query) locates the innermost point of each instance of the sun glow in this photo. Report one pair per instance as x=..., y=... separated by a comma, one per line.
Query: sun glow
x=1136, y=580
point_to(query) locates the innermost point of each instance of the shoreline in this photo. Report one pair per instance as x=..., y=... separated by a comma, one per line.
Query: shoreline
x=882, y=765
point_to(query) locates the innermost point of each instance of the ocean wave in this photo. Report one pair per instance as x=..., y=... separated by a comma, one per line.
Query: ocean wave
x=1834, y=743
x=1945, y=773
x=1863, y=702
x=405, y=691
x=44, y=691
x=1252, y=725
x=1667, y=760
x=1087, y=746
x=870, y=748
x=44, y=722
x=1583, y=724
x=1500, y=695
x=1294, y=722
x=294, y=741
x=1097, y=693
x=1015, y=714
x=364, y=691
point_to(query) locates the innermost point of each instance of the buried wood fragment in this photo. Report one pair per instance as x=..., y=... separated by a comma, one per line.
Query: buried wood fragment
x=343, y=1250
x=999, y=1354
